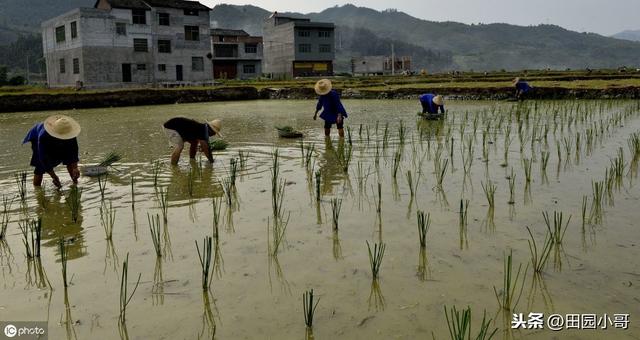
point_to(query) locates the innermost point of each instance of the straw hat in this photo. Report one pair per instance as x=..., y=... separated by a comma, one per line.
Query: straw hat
x=438, y=100
x=62, y=127
x=323, y=86
x=516, y=80
x=216, y=126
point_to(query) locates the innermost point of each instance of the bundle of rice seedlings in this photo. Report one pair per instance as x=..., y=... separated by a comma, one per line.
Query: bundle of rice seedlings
x=288, y=132
x=111, y=158
x=218, y=145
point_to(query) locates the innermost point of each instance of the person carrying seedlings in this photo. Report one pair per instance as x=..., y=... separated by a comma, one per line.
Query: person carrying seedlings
x=431, y=103
x=523, y=89
x=54, y=141
x=333, y=111
x=180, y=130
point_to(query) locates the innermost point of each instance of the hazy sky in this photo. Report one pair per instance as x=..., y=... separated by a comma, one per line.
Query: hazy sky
x=601, y=16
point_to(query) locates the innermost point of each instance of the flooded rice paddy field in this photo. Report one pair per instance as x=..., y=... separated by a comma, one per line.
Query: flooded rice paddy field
x=484, y=174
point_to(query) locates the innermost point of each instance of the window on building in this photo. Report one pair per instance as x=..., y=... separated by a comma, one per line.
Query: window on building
x=162, y=67
x=324, y=34
x=304, y=48
x=139, y=16
x=141, y=67
x=191, y=12
x=192, y=33
x=304, y=33
x=249, y=69
x=76, y=66
x=325, y=48
x=74, y=30
x=225, y=50
x=140, y=45
x=163, y=19
x=251, y=48
x=121, y=28
x=197, y=64
x=63, y=68
x=164, y=46
x=60, y=36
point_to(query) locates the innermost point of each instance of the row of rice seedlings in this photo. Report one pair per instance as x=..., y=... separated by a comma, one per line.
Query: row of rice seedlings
x=336, y=206
x=309, y=308
x=512, y=186
x=489, y=192
x=102, y=185
x=459, y=324
x=205, y=261
x=5, y=218
x=163, y=200
x=217, y=213
x=31, y=237
x=510, y=293
x=558, y=229
x=375, y=258
x=107, y=219
x=424, y=222
x=73, y=200
x=527, y=169
x=64, y=256
x=540, y=256
x=125, y=297
x=21, y=181
x=154, y=229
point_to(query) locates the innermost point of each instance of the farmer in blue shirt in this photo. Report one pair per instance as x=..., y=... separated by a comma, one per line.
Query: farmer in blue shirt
x=53, y=142
x=522, y=88
x=333, y=111
x=431, y=103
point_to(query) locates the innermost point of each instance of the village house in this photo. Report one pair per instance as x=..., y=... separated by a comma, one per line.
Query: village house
x=298, y=47
x=129, y=42
x=236, y=54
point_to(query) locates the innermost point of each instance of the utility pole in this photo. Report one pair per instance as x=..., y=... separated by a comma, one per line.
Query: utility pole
x=393, y=60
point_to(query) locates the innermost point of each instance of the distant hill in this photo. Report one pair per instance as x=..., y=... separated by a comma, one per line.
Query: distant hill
x=628, y=35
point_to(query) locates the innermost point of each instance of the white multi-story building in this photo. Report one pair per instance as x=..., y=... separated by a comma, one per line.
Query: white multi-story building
x=121, y=42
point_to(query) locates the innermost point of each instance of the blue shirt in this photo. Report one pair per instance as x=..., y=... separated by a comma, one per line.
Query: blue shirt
x=523, y=86
x=332, y=106
x=48, y=151
x=427, y=101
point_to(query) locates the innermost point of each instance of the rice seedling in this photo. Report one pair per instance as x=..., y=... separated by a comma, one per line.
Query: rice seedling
x=489, y=192
x=217, y=213
x=163, y=198
x=191, y=181
x=336, y=205
x=133, y=191
x=5, y=218
x=154, y=229
x=463, y=213
x=544, y=161
x=539, y=257
x=375, y=258
x=597, y=199
x=308, y=154
x=233, y=171
x=309, y=308
x=441, y=171
x=318, y=176
x=512, y=186
x=21, y=181
x=63, y=260
x=424, y=222
x=345, y=158
x=243, y=156
x=31, y=237
x=401, y=132
x=413, y=187
x=585, y=200
x=125, y=297
x=102, y=185
x=527, y=169
x=107, y=219
x=396, y=162
x=459, y=325
x=73, y=200
x=205, y=261
x=110, y=159
x=558, y=229
x=510, y=293
x=155, y=170
x=227, y=187
x=379, y=200
x=278, y=230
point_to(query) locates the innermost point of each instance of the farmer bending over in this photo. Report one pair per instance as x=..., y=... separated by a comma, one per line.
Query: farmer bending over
x=53, y=142
x=333, y=111
x=431, y=103
x=522, y=88
x=181, y=130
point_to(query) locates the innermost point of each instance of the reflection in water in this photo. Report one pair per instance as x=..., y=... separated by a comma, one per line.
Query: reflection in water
x=157, y=291
x=331, y=167
x=274, y=264
x=68, y=322
x=337, y=248
x=376, y=299
x=539, y=287
x=35, y=275
x=110, y=257
x=166, y=236
x=424, y=271
x=218, y=261
x=209, y=326
x=56, y=225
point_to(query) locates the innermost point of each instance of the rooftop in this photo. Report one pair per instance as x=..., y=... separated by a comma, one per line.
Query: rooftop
x=228, y=32
x=147, y=4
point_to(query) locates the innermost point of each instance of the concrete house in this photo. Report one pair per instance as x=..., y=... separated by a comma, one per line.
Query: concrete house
x=128, y=42
x=236, y=54
x=298, y=47
x=379, y=65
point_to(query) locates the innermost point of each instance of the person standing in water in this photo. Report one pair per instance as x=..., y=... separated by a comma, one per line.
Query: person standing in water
x=53, y=142
x=180, y=130
x=333, y=112
x=431, y=103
